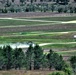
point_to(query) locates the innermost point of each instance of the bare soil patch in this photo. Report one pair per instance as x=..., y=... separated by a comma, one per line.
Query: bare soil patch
x=24, y=72
x=59, y=27
x=36, y=14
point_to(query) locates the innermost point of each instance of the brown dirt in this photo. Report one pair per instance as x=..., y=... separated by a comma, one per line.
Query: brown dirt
x=58, y=27
x=24, y=72
x=36, y=14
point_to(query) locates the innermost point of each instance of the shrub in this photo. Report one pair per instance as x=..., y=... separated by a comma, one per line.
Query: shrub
x=60, y=10
x=75, y=10
x=65, y=10
x=4, y=10
x=12, y=9
x=73, y=63
x=52, y=8
x=71, y=10
x=58, y=73
x=55, y=60
x=67, y=69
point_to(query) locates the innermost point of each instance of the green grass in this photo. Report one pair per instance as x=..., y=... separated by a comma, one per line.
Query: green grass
x=49, y=36
x=11, y=22
x=3, y=40
x=18, y=22
x=38, y=37
x=42, y=35
x=67, y=53
x=6, y=22
x=62, y=46
x=56, y=18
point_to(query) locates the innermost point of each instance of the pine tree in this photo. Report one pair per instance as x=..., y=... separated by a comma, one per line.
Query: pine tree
x=18, y=58
x=38, y=53
x=13, y=0
x=55, y=60
x=22, y=1
x=29, y=57
x=7, y=54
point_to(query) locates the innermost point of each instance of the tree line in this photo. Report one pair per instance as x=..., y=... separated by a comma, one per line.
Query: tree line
x=60, y=6
x=10, y=58
x=34, y=59
x=31, y=1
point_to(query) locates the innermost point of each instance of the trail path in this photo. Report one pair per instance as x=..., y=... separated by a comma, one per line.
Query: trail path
x=20, y=45
x=45, y=22
x=43, y=44
x=74, y=21
x=28, y=20
x=54, y=22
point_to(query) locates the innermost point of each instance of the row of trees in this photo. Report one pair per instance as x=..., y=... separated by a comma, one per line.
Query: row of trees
x=73, y=63
x=31, y=1
x=10, y=58
x=39, y=8
x=34, y=59
x=68, y=70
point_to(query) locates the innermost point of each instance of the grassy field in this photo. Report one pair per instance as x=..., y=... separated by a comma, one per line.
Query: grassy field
x=39, y=37
x=67, y=53
x=40, y=30
x=12, y=22
x=56, y=18
x=34, y=21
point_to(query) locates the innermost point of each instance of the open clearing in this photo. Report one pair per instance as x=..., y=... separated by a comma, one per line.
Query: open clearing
x=49, y=32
